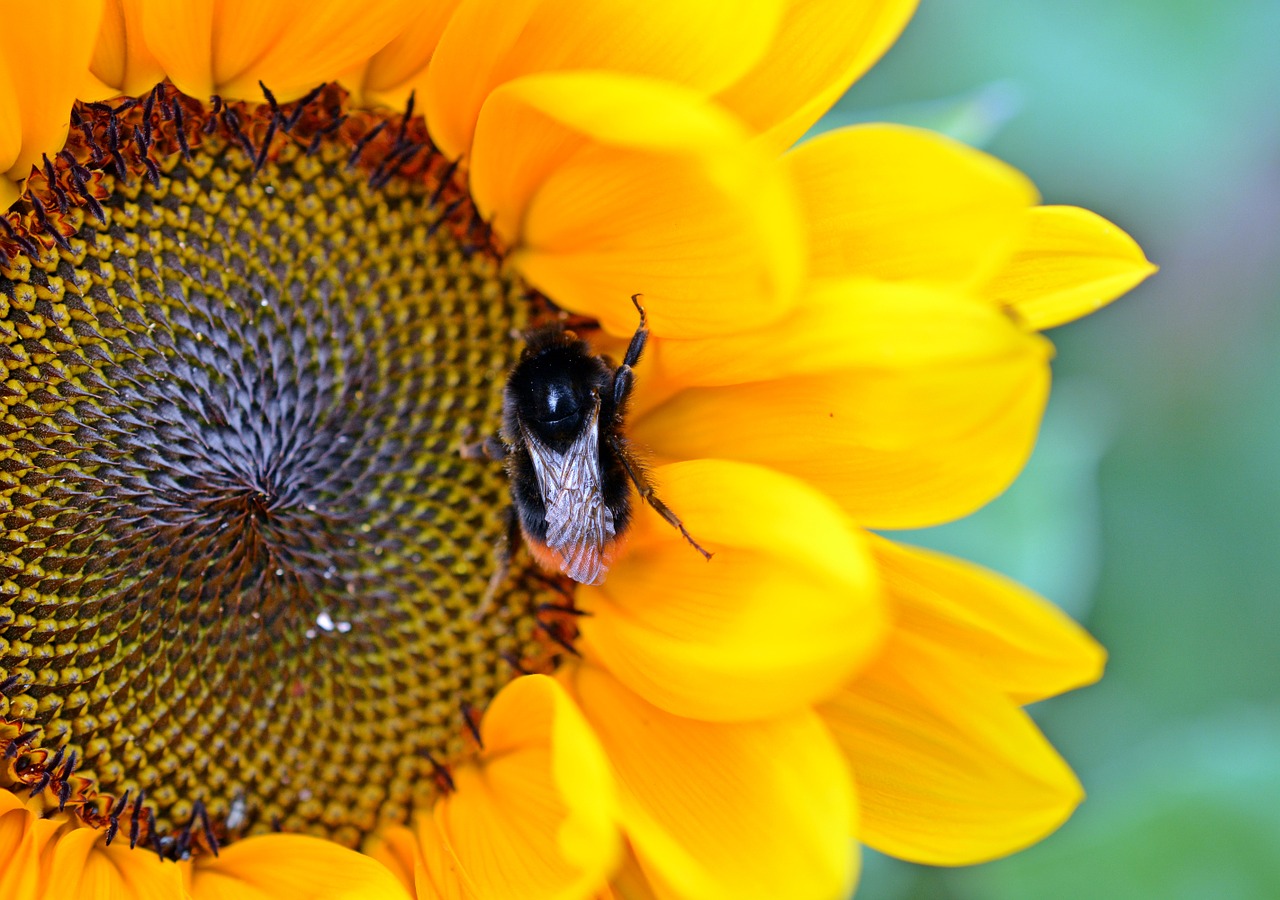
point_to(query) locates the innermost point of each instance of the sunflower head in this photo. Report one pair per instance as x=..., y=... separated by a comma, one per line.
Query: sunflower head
x=263, y=276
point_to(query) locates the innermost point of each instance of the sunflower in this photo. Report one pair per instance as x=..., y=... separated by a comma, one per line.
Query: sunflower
x=263, y=269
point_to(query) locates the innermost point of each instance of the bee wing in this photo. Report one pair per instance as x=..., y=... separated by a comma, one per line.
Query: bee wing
x=579, y=525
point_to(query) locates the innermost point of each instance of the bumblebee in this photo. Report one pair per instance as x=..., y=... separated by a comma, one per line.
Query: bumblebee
x=568, y=460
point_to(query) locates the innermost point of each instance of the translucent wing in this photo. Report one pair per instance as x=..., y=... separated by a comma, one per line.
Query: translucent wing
x=579, y=525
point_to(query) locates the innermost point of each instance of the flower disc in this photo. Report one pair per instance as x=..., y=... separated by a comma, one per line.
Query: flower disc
x=242, y=554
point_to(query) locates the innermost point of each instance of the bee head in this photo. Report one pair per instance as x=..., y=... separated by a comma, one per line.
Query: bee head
x=555, y=387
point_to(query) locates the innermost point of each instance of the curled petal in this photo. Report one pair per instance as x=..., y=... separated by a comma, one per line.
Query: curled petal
x=822, y=47
x=535, y=817
x=949, y=770
x=704, y=46
x=290, y=865
x=621, y=185
x=1025, y=645
x=840, y=326
x=784, y=612
x=396, y=847
x=23, y=836
x=51, y=857
x=886, y=201
x=400, y=68
x=1070, y=263
x=749, y=809
x=437, y=874
x=927, y=427
x=39, y=80
x=227, y=46
x=83, y=866
x=121, y=59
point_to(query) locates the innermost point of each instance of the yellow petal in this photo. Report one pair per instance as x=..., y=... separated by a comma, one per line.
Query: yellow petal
x=400, y=68
x=949, y=770
x=437, y=875
x=44, y=67
x=535, y=817
x=121, y=59
x=751, y=809
x=785, y=611
x=897, y=446
x=27, y=843
x=1024, y=645
x=822, y=47
x=839, y=325
x=19, y=853
x=10, y=135
x=227, y=46
x=887, y=201
x=9, y=802
x=618, y=185
x=1070, y=263
x=290, y=865
x=9, y=192
x=704, y=45
x=180, y=36
x=420, y=859
x=396, y=848
x=84, y=867
x=629, y=882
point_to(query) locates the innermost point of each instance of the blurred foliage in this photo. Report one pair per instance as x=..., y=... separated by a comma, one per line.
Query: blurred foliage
x=1151, y=509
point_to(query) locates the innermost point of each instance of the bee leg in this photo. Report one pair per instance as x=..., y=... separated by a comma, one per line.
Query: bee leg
x=503, y=551
x=636, y=347
x=491, y=448
x=645, y=489
x=622, y=381
x=495, y=448
x=623, y=377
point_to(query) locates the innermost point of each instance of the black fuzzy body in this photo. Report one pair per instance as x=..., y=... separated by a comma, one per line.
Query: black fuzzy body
x=552, y=391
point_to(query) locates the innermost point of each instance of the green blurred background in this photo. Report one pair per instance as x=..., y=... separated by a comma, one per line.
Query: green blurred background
x=1151, y=509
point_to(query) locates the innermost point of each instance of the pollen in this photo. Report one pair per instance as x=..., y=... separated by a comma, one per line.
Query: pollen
x=244, y=554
